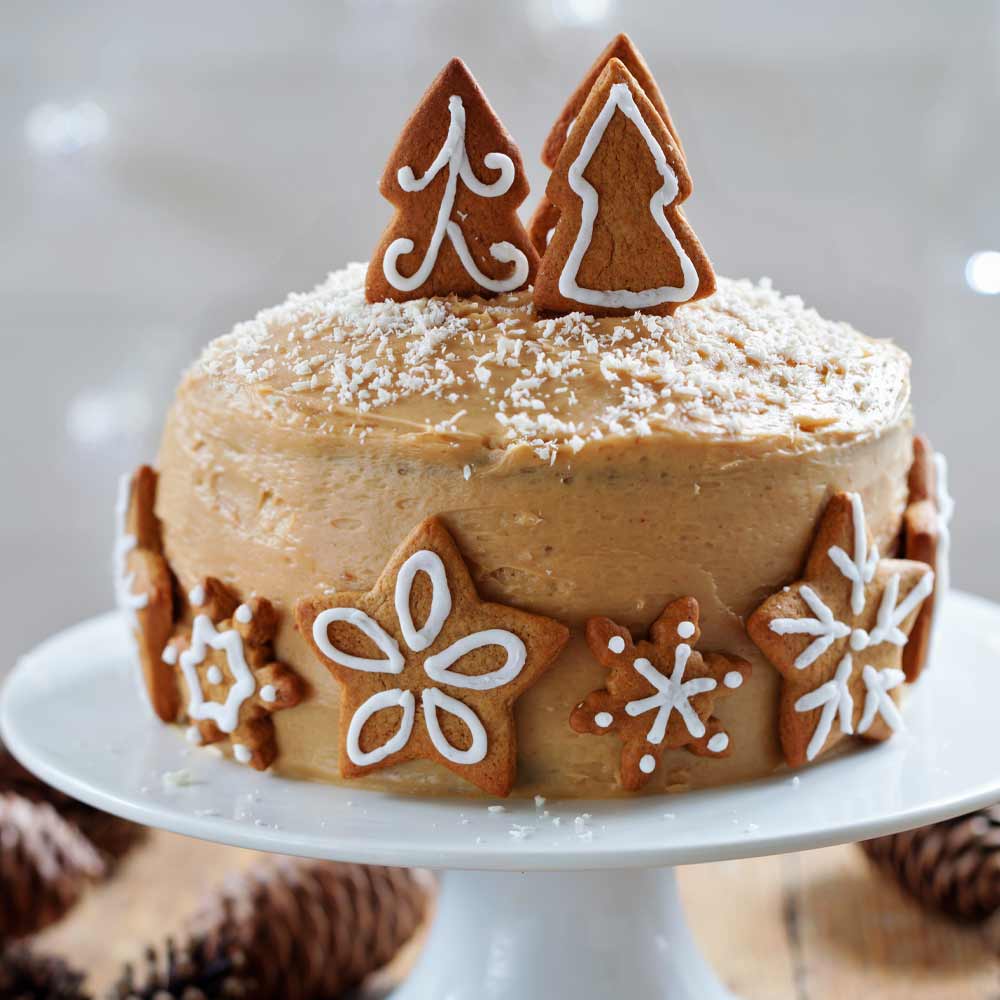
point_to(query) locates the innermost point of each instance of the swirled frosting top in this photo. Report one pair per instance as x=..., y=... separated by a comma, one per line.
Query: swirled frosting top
x=747, y=364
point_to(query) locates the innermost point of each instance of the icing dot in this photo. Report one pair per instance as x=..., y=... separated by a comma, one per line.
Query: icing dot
x=243, y=614
x=718, y=743
x=170, y=655
x=616, y=644
x=214, y=675
x=647, y=764
x=242, y=753
x=859, y=639
x=269, y=693
x=685, y=630
x=192, y=735
x=604, y=719
x=733, y=679
x=196, y=595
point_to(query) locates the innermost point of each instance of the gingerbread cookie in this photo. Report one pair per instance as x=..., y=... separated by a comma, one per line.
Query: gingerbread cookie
x=621, y=47
x=233, y=684
x=927, y=539
x=621, y=244
x=456, y=179
x=837, y=636
x=144, y=587
x=443, y=690
x=660, y=694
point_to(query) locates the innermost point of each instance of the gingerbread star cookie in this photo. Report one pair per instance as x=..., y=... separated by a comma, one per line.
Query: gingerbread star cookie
x=456, y=179
x=441, y=690
x=837, y=636
x=232, y=683
x=621, y=47
x=144, y=587
x=927, y=538
x=622, y=243
x=661, y=693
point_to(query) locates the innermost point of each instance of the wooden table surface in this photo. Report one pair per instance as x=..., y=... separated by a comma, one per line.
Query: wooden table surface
x=822, y=925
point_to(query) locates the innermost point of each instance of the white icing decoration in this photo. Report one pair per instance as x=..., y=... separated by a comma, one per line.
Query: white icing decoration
x=393, y=698
x=437, y=667
x=213, y=675
x=718, y=743
x=672, y=693
x=269, y=693
x=685, y=630
x=604, y=719
x=878, y=684
x=393, y=662
x=946, y=511
x=169, y=655
x=434, y=699
x=859, y=568
x=454, y=155
x=616, y=644
x=224, y=714
x=196, y=596
x=244, y=614
x=193, y=735
x=242, y=754
x=835, y=698
x=127, y=600
x=647, y=763
x=825, y=626
x=430, y=563
x=621, y=99
x=733, y=679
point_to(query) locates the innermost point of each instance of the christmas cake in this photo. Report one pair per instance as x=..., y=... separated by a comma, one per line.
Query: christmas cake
x=561, y=513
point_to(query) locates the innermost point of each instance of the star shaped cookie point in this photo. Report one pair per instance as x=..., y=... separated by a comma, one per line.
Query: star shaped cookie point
x=427, y=669
x=837, y=635
x=660, y=693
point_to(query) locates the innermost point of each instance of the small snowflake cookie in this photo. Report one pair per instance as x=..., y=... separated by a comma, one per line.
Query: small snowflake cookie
x=927, y=539
x=660, y=694
x=837, y=636
x=231, y=682
x=144, y=587
x=443, y=690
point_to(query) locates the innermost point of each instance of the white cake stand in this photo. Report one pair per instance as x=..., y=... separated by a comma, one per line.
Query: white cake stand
x=540, y=900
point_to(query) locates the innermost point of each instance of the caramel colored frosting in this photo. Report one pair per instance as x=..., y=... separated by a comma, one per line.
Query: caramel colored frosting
x=584, y=466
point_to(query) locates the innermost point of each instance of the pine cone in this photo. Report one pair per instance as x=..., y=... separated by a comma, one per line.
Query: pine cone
x=27, y=976
x=299, y=930
x=952, y=866
x=44, y=866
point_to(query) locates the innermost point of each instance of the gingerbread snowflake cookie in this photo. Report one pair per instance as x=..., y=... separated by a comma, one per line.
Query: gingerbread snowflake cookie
x=232, y=683
x=144, y=587
x=927, y=539
x=661, y=693
x=837, y=636
x=442, y=690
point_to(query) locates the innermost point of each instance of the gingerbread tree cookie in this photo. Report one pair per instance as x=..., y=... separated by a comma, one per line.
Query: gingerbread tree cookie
x=621, y=47
x=837, y=636
x=233, y=684
x=660, y=693
x=456, y=179
x=927, y=539
x=443, y=690
x=621, y=244
x=144, y=586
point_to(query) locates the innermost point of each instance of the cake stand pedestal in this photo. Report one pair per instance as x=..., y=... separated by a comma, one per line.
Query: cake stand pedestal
x=539, y=900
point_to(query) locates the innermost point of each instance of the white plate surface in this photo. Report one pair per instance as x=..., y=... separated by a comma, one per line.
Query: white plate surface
x=72, y=713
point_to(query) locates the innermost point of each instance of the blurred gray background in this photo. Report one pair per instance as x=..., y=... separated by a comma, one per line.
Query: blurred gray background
x=169, y=169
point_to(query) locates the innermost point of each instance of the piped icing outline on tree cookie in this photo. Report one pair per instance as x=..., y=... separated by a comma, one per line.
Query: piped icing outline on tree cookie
x=837, y=635
x=238, y=707
x=660, y=693
x=416, y=677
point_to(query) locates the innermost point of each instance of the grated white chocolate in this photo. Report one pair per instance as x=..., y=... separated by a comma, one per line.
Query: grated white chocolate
x=747, y=363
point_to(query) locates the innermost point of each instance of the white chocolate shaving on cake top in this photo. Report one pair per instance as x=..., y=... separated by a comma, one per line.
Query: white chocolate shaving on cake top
x=745, y=364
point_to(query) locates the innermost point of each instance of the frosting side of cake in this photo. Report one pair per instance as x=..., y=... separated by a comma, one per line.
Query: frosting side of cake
x=584, y=467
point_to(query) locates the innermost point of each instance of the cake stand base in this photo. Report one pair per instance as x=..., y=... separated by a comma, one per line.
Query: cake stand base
x=527, y=935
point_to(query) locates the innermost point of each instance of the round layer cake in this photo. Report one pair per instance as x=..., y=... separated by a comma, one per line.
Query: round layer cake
x=584, y=467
